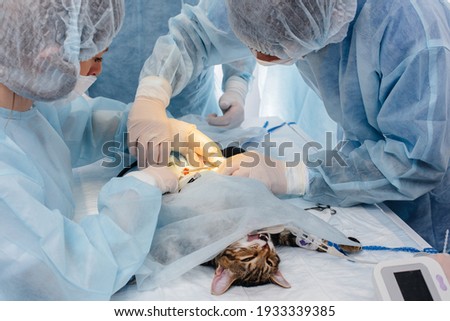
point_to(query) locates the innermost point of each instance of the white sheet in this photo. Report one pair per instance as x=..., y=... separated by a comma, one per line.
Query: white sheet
x=313, y=276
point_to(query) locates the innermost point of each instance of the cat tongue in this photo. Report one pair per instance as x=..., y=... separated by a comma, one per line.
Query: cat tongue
x=252, y=237
x=260, y=236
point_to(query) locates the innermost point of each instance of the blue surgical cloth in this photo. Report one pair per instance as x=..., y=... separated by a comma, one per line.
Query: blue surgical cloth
x=144, y=22
x=44, y=253
x=199, y=38
x=192, y=228
x=285, y=94
x=92, y=128
x=388, y=84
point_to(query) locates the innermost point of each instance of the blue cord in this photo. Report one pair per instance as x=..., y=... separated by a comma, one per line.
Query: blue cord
x=266, y=124
x=276, y=127
x=399, y=249
x=336, y=246
x=384, y=248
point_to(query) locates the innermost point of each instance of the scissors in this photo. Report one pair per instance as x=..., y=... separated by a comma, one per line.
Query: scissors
x=320, y=207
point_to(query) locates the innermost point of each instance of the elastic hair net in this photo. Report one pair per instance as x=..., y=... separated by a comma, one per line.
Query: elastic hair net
x=290, y=28
x=43, y=41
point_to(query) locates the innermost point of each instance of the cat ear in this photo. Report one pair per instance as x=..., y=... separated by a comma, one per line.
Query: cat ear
x=223, y=278
x=279, y=279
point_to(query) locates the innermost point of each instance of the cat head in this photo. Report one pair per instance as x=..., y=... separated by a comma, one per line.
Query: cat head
x=250, y=261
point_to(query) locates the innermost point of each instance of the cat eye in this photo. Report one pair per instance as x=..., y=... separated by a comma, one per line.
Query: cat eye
x=248, y=259
x=270, y=263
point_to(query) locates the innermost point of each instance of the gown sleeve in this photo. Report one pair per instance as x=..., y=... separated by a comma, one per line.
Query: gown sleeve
x=199, y=37
x=411, y=154
x=46, y=256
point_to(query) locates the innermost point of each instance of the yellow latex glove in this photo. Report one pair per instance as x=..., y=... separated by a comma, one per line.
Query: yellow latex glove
x=198, y=149
x=232, y=104
x=149, y=133
x=273, y=173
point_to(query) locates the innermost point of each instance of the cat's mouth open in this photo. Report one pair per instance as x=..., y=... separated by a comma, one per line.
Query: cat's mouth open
x=260, y=236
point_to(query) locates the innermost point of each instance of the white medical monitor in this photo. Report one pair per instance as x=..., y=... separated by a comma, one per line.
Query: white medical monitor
x=416, y=279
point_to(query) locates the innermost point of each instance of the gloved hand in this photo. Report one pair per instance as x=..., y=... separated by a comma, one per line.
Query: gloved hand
x=195, y=146
x=159, y=176
x=149, y=133
x=273, y=173
x=232, y=104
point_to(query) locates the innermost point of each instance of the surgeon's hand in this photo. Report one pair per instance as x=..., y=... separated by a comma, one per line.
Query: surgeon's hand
x=272, y=173
x=232, y=104
x=196, y=147
x=149, y=133
x=159, y=176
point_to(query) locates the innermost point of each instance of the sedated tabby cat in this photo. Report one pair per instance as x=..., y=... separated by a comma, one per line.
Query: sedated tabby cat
x=253, y=260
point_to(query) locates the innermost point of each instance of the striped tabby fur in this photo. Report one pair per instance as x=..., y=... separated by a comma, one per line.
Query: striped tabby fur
x=253, y=261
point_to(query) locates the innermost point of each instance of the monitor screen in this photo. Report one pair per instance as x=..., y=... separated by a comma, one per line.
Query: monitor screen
x=413, y=286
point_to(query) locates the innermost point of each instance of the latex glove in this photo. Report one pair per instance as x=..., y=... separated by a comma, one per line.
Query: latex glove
x=195, y=146
x=273, y=173
x=232, y=104
x=159, y=176
x=149, y=133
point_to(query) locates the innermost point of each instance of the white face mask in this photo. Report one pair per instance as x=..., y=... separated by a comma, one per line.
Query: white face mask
x=286, y=62
x=82, y=85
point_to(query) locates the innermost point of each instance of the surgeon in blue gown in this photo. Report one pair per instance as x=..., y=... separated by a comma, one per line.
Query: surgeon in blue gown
x=178, y=80
x=382, y=68
x=145, y=22
x=44, y=253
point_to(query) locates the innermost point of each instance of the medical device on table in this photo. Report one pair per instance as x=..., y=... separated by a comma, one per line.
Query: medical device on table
x=416, y=279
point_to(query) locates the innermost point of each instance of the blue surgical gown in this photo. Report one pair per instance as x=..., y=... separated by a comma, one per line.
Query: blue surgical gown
x=44, y=253
x=186, y=55
x=145, y=22
x=386, y=85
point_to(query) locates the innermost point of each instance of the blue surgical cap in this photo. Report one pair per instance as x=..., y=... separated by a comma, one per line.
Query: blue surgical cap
x=43, y=41
x=290, y=28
